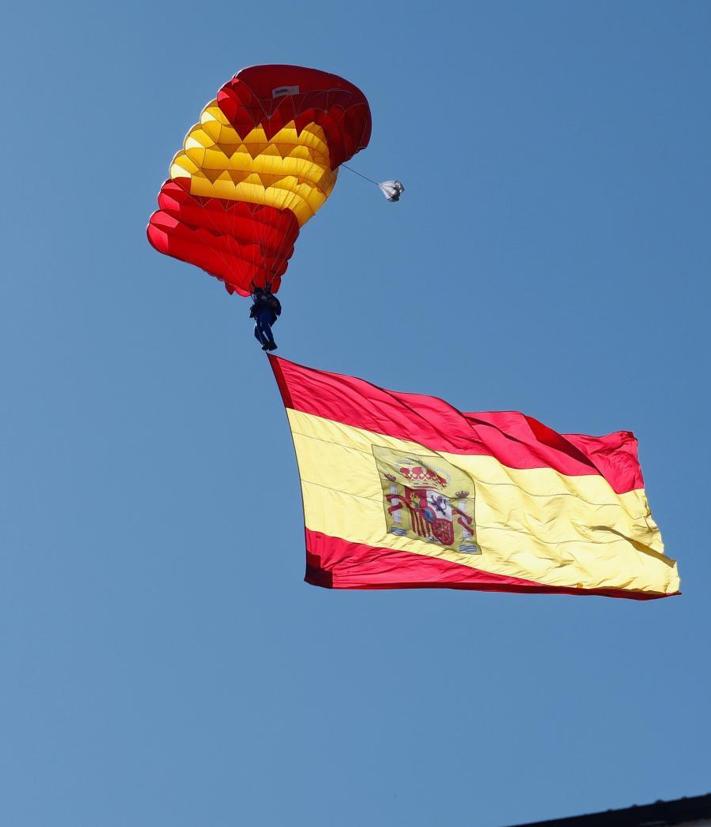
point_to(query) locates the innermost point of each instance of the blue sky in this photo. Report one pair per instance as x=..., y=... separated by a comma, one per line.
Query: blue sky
x=162, y=660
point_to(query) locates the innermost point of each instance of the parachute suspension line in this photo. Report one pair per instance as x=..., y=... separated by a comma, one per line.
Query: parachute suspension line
x=355, y=171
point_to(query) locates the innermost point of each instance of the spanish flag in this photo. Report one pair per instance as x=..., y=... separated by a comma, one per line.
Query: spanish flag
x=402, y=490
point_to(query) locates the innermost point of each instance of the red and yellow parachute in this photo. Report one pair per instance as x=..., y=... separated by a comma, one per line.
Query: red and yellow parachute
x=260, y=163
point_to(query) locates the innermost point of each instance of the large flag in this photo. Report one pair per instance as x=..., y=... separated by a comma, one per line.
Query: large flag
x=402, y=490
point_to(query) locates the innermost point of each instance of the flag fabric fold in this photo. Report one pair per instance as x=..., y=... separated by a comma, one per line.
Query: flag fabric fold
x=403, y=490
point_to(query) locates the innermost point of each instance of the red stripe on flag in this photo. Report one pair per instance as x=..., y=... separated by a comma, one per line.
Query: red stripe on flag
x=334, y=563
x=514, y=439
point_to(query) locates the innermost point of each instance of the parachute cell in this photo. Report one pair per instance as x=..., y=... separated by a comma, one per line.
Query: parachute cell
x=260, y=163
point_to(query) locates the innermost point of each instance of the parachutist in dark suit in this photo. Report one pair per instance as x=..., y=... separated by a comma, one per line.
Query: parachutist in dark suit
x=264, y=310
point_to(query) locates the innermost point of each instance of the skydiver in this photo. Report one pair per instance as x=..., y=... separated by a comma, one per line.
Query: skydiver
x=264, y=310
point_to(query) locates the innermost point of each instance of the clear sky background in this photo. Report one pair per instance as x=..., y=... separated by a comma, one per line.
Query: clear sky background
x=162, y=661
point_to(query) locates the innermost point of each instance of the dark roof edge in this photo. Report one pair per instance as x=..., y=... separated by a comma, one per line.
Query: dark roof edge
x=659, y=814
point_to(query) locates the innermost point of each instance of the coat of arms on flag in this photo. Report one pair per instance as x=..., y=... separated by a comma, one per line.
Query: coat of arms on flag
x=427, y=498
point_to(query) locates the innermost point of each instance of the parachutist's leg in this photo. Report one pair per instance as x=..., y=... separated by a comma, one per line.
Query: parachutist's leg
x=268, y=335
x=259, y=336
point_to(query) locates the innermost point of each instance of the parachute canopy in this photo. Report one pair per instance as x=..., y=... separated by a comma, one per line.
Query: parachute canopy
x=260, y=163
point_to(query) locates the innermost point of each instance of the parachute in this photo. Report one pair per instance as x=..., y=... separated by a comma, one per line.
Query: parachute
x=392, y=190
x=260, y=163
